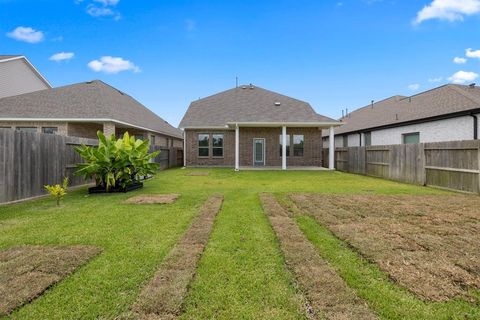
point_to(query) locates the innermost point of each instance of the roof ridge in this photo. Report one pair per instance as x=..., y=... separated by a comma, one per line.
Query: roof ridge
x=464, y=93
x=369, y=106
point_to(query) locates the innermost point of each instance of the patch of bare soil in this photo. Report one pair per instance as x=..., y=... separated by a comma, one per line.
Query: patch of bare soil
x=197, y=173
x=428, y=244
x=163, y=296
x=326, y=291
x=153, y=199
x=27, y=271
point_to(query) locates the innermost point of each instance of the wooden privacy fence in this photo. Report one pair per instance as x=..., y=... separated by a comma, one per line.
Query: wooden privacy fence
x=453, y=165
x=168, y=157
x=28, y=161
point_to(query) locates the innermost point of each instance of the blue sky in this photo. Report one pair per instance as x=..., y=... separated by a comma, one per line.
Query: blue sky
x=333, y=54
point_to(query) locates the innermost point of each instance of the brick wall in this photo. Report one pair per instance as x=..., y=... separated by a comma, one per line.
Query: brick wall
x=312, y=147
x=312, y=151
x=61, y=126
x=228, y=159
x=84, y=130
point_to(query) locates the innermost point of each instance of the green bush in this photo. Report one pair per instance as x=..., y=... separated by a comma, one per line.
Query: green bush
x=58, y=191
x=116, y=163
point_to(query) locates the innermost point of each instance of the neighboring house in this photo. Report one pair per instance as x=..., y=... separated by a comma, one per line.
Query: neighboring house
x=18, y=75
x=249, y=126
x=445, y=113
x=82, y=109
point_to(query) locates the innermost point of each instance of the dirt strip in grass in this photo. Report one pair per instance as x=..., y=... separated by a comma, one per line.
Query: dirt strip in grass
x=326, y=292
x=163, y=296
x=427, y=244
x=27, y=271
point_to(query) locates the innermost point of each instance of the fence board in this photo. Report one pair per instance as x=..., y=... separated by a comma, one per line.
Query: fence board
x=28, y=161
x=452, y=164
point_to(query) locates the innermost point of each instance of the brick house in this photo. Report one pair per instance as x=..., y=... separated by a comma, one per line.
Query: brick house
x=82, y=109
x=248, y=126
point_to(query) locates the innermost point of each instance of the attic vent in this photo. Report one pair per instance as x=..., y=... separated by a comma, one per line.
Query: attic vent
x=277, y=103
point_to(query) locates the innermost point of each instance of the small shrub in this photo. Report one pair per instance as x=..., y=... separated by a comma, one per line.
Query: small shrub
x=58, y=191
x=116, y=163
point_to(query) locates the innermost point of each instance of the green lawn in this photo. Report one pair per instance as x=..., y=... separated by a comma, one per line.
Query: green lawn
x=241, y=274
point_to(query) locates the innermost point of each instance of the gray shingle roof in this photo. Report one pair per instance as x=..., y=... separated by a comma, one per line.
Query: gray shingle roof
x=244, y=104
x=86, y=100
x=439, y=101
x=4, y=57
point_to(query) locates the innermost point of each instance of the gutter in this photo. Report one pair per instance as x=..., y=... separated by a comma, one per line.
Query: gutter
x=475, y=126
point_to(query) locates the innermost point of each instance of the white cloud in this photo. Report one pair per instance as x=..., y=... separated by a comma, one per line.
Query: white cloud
x=459, y=60
x=450, y=10
x=463, y=76
x=414, y=86
x=472, y=53
x=26, y=34
x=62, y=56
x=112, y=65
x=95, y=11
x=433, y=80
x=108, y=2
x=103, y=8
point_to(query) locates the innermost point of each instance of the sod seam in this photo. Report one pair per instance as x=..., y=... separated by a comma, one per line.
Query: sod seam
x=325, y=290
x=26, y=272
x=163, y=296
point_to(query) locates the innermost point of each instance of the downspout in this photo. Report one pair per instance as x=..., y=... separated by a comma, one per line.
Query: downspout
x=360, y=137
x=475, y=126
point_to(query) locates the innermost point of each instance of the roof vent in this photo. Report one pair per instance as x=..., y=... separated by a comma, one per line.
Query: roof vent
x=89, y=82
x=277, y=103
x=472, y=85
x=251, y=86
x=244, y=87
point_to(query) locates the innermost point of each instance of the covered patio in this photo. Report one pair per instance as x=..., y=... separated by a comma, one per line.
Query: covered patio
x=307, y=134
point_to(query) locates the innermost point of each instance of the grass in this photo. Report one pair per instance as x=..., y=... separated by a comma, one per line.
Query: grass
x=387, y=299
x=241, y=273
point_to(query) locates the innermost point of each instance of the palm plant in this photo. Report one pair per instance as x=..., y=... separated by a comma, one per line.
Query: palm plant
x=116, y=163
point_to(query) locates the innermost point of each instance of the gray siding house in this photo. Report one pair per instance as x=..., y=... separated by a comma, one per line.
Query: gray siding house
x=18, y=75
x=445, y=113
x=248, y=126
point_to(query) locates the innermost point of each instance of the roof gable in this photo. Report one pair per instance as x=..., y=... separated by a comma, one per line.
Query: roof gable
x=248, y=103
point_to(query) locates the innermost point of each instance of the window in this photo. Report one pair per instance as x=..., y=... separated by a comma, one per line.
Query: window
x=152, y=140
x=409, y=138
x=368, y=138
x=49, y=130
x=345, y=141
x=27, y=129
x=288, y=145
x=298, y=141
x=217, y=145
x=203, y=145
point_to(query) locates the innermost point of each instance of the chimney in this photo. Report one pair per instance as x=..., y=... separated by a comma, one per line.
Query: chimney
x=372, y=102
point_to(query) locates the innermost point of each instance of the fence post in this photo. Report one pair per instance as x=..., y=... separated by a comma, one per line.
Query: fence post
x=478, y=148
x=423, y=153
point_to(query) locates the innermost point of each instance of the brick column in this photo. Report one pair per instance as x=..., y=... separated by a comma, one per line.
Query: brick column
x=108, y=128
